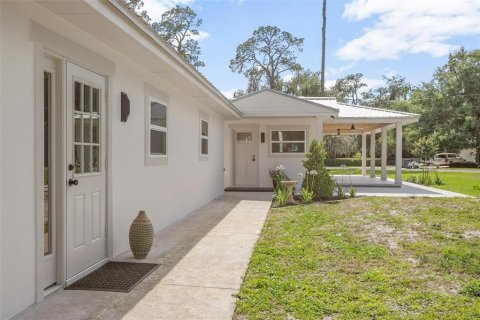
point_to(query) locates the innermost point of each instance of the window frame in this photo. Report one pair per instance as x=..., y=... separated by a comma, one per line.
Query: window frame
x=157, y=127
x=304, y=141
x=204, y=137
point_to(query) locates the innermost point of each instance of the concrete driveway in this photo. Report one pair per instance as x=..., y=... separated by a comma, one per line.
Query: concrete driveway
x=203, y=258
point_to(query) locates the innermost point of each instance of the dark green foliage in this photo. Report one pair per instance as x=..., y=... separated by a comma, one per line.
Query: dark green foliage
x=463, y=165
x=472, y=289
x=322, y=183
x=178, y=26
x=265, y=56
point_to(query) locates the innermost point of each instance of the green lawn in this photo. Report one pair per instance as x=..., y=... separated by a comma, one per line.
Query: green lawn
x=366, y=258
x=462, y=182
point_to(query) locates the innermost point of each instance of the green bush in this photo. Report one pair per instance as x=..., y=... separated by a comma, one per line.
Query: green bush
x=472, y=289
x=316, y=172
x=463, y=165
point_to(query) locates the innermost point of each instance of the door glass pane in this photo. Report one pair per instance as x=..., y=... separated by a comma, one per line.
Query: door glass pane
x=205, y=128
x=87, y=129
x=96, y=159
x=95, y=129
x=87, y=101
x=158, y=114
x=244, y=137
x=95, y=100
x=77, y=96
x=87, y=167
x=158, y=142
x=78, y=157
x=47, y=214
x=204, y=146
x=78, y=128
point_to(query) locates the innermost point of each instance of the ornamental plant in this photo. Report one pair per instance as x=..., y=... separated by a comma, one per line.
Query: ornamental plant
x=322, y=184
x=306, y=192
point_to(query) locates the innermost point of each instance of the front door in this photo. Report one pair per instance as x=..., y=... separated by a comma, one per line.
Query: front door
x=86, y=177
x=246, y=158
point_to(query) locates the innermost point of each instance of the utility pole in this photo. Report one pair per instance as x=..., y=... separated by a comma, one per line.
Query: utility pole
x=324, y=26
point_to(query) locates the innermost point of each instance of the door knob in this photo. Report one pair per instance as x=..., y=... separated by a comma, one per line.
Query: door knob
x=71, y=167
x=72, y=182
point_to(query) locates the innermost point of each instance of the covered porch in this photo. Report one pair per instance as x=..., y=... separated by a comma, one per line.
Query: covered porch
x=368, y=123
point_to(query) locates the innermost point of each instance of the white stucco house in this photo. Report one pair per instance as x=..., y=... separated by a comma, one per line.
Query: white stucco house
x=99, y=118
x=276, y=128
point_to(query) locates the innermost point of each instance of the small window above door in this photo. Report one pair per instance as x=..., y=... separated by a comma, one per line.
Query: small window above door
x=244, y=137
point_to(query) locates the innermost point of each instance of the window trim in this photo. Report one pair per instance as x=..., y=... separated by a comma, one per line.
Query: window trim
x=152, y=93
x=157, y=128
x=271, y=141
x=206, y=137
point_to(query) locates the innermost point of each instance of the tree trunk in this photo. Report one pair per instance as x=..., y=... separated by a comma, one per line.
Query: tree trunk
x=324, y=26
x=477, y=156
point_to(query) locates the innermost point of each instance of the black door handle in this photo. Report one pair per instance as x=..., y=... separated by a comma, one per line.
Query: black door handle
x=253, y=159
x=72, y=182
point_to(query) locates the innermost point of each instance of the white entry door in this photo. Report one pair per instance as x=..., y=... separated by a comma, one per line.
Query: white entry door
x=86, y=177
x=246, y=158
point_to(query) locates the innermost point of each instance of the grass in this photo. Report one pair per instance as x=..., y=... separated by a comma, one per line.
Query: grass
x=461, y=182
x=366, y=258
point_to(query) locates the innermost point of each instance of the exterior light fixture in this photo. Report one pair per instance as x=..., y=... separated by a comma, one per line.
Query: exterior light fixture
x=352, y=127
x=338, y=132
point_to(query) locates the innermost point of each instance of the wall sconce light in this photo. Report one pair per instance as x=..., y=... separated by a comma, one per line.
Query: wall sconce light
x=262, y=137
x=124, y=107
x=352, y=127
x=338, y=132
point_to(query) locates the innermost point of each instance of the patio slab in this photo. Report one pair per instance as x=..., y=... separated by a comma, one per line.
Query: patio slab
x=202, y=257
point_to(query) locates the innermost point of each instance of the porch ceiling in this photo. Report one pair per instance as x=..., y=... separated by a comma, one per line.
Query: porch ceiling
x=345, y=128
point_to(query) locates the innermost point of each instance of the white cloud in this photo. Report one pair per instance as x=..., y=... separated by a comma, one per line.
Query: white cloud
x=409, y=27
x=371, y=84
x=333, y=71
x=287, y=77
x=156, y=8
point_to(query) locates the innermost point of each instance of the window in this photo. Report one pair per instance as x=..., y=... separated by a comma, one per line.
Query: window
x=288, y=141
x=203, y=137
x=158, y=129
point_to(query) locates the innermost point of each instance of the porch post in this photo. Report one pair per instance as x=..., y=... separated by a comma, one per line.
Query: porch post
x=364, y=154
x=398, y=154
x=319, y=128
x=372, y=154
x=384, y=153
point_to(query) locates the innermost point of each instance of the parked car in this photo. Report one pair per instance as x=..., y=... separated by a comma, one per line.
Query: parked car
x=445, y=159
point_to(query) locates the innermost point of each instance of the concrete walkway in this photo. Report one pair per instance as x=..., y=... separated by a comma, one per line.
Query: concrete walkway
x=203, y=259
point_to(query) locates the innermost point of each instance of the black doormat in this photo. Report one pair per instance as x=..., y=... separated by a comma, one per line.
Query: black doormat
x=114, y=276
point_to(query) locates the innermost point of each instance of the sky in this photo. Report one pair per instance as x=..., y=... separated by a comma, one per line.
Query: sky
x=410, y=38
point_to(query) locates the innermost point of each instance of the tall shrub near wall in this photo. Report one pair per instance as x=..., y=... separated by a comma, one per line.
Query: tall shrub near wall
x=323, y=184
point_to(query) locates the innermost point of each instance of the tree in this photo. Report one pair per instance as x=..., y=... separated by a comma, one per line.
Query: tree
x=324, y=30
x=347, y=89
x=396, y=89
x=304, y=83
x=425, y=147
x=178, y=26
x=450, y=103
x=266, y=55
x=322, y=184
x=137, y=5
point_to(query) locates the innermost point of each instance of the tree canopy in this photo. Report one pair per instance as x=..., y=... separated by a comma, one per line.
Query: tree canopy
x=178, y=26
x=265, y=56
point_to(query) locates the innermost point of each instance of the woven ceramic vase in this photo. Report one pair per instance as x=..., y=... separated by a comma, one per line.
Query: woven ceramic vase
x=141, y=236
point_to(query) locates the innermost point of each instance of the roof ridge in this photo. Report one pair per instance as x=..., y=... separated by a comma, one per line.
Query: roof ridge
x=378, y=109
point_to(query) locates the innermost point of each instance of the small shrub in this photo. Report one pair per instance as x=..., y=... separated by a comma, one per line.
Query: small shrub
x=307, y=195
x=412, y=178
x=340, y=191
x=281, y=196
x=353, y=192
x=278, y=174
x=472, y=289
x=322, y=183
